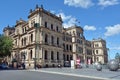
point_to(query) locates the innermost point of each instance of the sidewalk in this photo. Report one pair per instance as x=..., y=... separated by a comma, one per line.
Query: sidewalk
x=105, y=74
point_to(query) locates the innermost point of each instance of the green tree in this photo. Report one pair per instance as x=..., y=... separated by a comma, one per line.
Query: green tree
x=117, y=57
x=6, y=44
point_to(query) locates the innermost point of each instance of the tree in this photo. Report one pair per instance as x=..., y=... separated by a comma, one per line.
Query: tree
x=117, y=57
x=6, y=44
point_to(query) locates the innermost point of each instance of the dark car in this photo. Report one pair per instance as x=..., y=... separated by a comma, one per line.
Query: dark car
x=3, y=66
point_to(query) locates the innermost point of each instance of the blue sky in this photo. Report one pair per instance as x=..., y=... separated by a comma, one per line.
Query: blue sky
x=98, y=18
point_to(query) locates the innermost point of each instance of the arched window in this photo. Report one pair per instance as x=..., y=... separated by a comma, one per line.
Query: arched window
x=31, y=54
x=22, y=41
x=31, y=37
x=25, y=41
x=52, y=40
x=46, y=38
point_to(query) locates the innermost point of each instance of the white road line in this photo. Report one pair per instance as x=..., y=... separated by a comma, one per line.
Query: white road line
x=69, y=74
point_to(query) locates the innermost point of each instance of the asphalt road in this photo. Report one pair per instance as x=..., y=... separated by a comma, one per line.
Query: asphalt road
x=30, y=75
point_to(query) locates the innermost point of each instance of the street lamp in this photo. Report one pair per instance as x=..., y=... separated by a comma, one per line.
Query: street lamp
x=35, y=62
x=36, y=25
x=24, y=57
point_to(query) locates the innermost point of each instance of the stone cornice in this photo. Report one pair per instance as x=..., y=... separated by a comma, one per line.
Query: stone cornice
x=39, y=10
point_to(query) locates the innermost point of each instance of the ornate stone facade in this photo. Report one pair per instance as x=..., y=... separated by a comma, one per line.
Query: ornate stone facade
x=42, y=40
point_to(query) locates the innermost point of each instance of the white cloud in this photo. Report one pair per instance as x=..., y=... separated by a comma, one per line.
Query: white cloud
x=115, y=48
x=92, y=28
x=79, y=3
x=68, y=20
x=52, y=11
x=105, y=3
x=112, y=30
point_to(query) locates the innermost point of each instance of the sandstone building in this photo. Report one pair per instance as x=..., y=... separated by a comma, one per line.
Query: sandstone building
x=43, y=40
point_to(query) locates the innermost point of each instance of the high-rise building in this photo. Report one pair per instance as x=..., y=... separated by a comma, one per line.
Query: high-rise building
x=42, y=40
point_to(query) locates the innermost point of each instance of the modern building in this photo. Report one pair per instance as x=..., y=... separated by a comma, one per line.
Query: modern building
x=42, y=40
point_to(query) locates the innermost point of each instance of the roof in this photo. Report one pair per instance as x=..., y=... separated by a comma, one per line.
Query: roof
x=75, y=26
x=41, y=9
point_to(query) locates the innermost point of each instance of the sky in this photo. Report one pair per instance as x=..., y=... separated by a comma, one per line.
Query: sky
x=98, y=18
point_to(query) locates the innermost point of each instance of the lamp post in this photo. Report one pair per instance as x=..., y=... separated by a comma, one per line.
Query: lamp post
x=37, y=37
x=34, y=62
x=24, y=57
x=36, y=25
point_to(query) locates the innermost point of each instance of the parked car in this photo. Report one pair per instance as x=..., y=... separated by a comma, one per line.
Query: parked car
x=4, y=66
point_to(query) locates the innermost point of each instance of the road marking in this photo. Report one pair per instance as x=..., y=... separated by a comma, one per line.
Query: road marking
x=76, y=75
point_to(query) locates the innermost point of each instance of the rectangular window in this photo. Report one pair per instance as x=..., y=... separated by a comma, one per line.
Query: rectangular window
x=57, y=55
x=97, y=58
x=96, y=45
x=16, y=42
x=96, y=51
x=32, y=23
x=71, y=58
x=57, y=29
x=51, y=26
x=58, y=41
x=46, y=24
x=45, y=56
x=70, y=48
x=52, y=55
x=67, y=47
x=22, y=30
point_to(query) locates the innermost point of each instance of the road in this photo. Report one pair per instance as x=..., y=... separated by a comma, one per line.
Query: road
x=31, y=75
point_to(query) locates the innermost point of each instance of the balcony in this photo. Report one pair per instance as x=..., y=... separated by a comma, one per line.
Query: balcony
x=46, y=61
x=46, y=43
x=53, y=61
x=58, y=61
